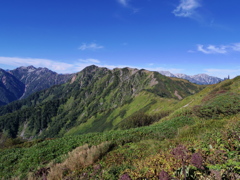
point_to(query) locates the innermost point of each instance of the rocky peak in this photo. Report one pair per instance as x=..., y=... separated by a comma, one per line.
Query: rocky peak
x=91, y=68
x=202, y=79
x=36, y=79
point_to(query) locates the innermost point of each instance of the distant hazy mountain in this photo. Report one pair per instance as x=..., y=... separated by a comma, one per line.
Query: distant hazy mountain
x=202, y=79
x=23, y=81
x=167, y=73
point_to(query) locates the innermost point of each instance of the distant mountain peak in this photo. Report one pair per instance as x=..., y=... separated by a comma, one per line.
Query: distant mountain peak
x=27, y=67
x=202, y=79
x=23, y=81
x=91, y=67
x=167, y=73
x=31, y=67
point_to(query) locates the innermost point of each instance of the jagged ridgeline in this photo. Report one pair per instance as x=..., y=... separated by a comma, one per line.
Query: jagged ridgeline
x=94, y=100
x=23, y=81
x=36, y=79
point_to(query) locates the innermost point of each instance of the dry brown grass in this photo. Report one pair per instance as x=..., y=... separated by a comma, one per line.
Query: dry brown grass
x=80, y=157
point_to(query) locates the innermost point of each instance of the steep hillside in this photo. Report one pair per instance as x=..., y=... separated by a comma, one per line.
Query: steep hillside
x=10, y=88
x=198, y=139
x=37, y=79
x=95, y=100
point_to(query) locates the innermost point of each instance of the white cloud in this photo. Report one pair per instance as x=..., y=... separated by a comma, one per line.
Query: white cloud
x=186, y=8
x=223, y=73
x=59, y=67
x=211, y=49
x=16, y=62
x=78, y=65
x=236, y=47
x=222, y=49
x=91, y=46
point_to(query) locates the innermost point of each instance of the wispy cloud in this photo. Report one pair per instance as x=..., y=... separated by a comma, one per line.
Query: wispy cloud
x=172, y=70
x=60, y=67
x=91, y=46
x=89, y=61
x=187, y=8
x=211, y=49
x=236, y=47
x=16, y=62
x=223, y=73
x=123, y=2
x=75, y=66
x=78, y=65
x=221, y=49
x=126, y=4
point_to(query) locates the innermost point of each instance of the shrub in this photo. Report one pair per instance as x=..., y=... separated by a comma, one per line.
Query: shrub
x=140, y=119
x=136, y=120
x=80, y=157
x=225, y=104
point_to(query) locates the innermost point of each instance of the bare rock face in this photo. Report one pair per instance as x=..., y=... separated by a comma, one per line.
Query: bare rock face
x=10, y=88
x=37, y=79
x=23, y=81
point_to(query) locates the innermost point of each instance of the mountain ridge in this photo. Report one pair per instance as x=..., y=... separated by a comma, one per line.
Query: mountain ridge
x=95, y=99
x=199, y=133
x=36, y=79
x=28, y=80
x=201, y=79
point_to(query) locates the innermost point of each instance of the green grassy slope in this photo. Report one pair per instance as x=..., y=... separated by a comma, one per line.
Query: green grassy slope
x=198, y=140
x=95, y=100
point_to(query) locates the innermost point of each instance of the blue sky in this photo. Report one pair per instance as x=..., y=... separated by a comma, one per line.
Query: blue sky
x=180, y=36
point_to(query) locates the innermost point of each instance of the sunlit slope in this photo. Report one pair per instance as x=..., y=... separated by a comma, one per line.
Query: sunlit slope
x=203, y=128
x=96, y=99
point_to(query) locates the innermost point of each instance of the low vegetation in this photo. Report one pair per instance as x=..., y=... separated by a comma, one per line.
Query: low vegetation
x=140, y=119
x=195, y=138
x=96, y=101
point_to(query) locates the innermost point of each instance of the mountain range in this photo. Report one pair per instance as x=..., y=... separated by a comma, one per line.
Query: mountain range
x=122, y=124
x=202, y=79
x=98, y=95
x=23, y=81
